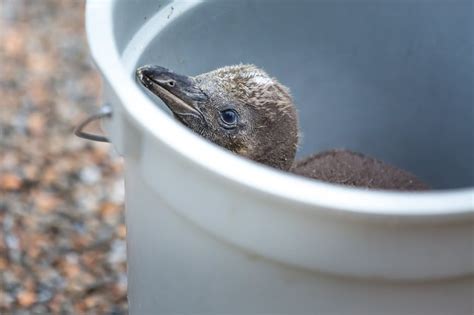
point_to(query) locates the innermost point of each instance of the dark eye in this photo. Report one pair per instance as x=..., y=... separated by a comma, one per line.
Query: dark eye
x=229, y=117
x=171, y=83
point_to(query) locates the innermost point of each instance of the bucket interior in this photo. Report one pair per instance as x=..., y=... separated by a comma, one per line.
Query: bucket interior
x=391, y=79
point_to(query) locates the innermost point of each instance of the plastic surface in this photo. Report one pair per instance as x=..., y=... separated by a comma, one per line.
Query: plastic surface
x=211, y=233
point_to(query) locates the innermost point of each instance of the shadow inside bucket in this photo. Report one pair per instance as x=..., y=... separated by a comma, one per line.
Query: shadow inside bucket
x=390, y=79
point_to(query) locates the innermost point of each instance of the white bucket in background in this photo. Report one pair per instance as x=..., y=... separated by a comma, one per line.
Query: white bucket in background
x=211, y=233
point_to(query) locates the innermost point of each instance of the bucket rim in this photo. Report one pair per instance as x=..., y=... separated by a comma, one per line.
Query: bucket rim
x=455, y=203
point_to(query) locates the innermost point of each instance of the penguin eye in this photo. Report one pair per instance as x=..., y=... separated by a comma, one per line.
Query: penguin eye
x=229, y=118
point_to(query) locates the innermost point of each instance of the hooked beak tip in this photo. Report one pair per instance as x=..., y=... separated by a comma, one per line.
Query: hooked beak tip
x=141, y=72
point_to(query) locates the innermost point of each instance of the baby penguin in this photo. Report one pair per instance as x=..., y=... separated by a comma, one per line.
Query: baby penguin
x=243, y=109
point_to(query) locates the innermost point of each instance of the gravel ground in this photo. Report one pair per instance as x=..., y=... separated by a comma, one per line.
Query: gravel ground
x=62, y=233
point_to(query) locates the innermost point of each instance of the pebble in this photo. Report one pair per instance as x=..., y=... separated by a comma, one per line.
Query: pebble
x=26, y=298
x=36, y=124
x=90, y=175
x=12, y=242
x=118, y=252
x=10, y=181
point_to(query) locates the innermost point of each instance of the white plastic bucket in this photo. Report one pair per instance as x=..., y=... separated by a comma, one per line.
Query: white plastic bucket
x=211, y=233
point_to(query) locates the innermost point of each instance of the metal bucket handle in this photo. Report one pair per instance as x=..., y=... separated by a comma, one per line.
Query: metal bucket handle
x=104, y=112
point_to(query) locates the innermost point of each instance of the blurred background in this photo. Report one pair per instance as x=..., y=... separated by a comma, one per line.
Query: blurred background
x=62, y=232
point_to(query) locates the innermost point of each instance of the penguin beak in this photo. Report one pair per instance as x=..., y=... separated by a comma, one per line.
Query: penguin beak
x=179, y=92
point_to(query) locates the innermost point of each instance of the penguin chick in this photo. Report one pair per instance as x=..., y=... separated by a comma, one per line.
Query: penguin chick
x=244, y=110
